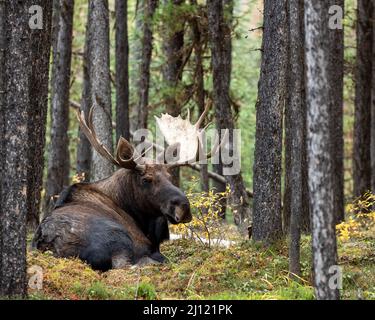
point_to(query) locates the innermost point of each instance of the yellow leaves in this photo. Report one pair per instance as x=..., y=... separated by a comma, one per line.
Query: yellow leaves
x=361, y=218
x=79, y=177
x=206, y=208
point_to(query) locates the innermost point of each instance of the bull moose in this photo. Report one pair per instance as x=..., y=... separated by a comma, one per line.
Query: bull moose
x=122, y=219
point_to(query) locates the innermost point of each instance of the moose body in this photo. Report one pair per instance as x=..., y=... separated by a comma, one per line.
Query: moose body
x=123, y=219
x=115, y=222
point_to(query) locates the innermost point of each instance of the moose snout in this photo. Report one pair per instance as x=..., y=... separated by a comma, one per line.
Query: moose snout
x=182, y=213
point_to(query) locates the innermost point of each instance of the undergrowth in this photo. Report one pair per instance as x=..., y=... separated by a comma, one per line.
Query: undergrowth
x=194, y=271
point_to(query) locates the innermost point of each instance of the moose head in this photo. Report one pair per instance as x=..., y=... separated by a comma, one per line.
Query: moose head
x=146, y=183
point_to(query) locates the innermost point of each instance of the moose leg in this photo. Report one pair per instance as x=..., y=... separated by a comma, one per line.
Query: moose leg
x=146, y=261
x=158, y=231
x=121, y=260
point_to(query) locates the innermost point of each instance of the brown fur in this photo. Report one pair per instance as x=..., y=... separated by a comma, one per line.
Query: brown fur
x=133, y=208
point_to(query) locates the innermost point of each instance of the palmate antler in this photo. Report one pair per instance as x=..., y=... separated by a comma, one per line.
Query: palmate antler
x=179, y=134
x=186, y=138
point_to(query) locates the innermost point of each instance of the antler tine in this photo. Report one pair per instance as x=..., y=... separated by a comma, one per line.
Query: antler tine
x=203, y=115
x=143, y=153
x=90, y=134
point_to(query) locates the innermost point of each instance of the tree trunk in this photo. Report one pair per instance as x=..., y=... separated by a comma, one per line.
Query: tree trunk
x=100, y=84
x=58, y=161
x=295, y=204
x=144, y=66
x=373, y=107
x=220, y=187
x=267, y=225
x=200, y=93
x=84, y=147
x=336, y=74
x=22, y=98
x=362, y=120
x=173, y=49
x=122, y=71
x=56, y=8
x=320, y=161
x=219, y=21
x=41, y=48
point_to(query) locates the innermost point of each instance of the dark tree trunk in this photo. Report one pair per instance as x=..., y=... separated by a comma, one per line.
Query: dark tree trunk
x=336, y=74
x=373, y=106
x=219, y=21
x=199, y=82
x=3, y=43
x=267, y=225
x=295, y=203
x=144, y=66
x=220, y=187
x=122, y=71
x=41, y=48
x=15, y=160
x=136, y=56
x=100, y=84
x=173, y=45
x=84, y=147
x=362, y=120
x=173, y=49
x=320, y=161
x=56, y=7
x=58, y=160
x=23, y=99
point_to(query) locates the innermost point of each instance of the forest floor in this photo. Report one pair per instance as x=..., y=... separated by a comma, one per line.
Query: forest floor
x=245, y=270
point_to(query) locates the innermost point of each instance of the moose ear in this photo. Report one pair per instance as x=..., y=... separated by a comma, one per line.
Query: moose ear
x=125, y=154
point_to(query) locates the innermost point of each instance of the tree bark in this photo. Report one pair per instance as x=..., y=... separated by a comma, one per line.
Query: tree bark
x=200, y=93
x=100, y=84
x=3, y=44
x=122, y=70
x=144, y=67
x=362, y=120
x=336, y=74
x=173, y=49
x=16, y=75
x=58, y=160
x=373, y=107
x=295, y=200
x=220, y=187
x=84, y=148
x=219, y=21
x=41, y=47
x=267, y=225
x=320, y=160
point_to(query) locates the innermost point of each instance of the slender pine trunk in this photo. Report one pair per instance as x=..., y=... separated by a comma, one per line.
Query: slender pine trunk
x=100, y=84
x=320, y=160
x=144, y=67
x=267, y=225
x=362, y=118
x=173, y=45
x=295, y=128
x=41, y=48
x=58, y=155
x=84, y=147
x=219, y=21
x=122, y=71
